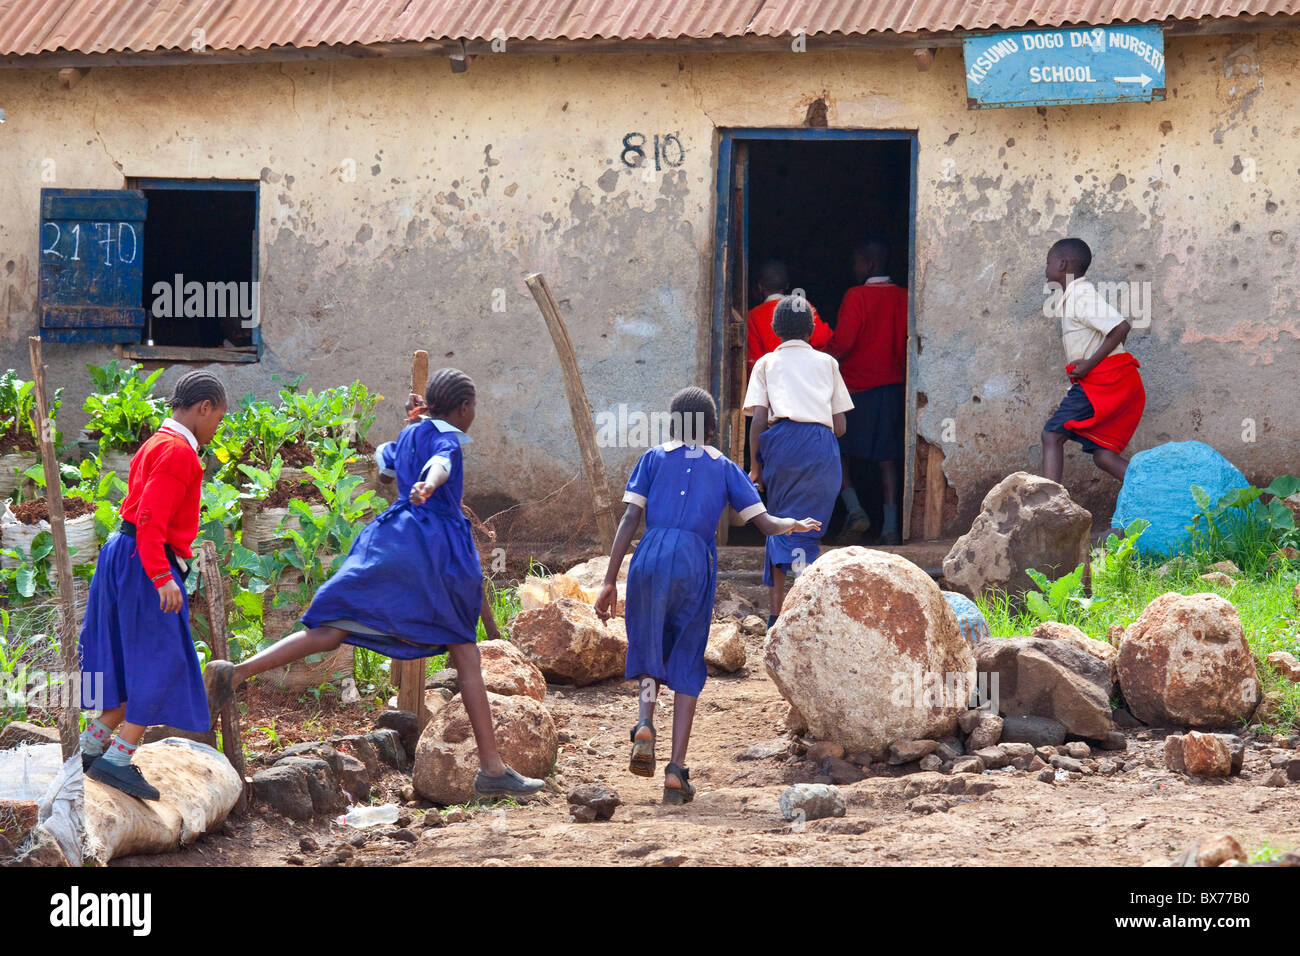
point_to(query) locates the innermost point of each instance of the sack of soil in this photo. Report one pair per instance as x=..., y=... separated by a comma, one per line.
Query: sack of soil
x=20, y=524
x=262, y=517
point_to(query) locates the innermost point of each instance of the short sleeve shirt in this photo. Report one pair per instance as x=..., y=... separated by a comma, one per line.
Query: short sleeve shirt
x=799, y=383
x=1086, y=319
x=688, y=487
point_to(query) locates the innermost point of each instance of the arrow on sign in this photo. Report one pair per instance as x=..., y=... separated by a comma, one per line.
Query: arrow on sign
x=1143, y=79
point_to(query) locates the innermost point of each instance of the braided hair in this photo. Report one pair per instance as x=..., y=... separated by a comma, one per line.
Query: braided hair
x=197, y=386
x=448, y=390
x=792, y=318
x=694, y=417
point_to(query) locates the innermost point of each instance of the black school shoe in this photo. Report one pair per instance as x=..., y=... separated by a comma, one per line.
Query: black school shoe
x=128, y=779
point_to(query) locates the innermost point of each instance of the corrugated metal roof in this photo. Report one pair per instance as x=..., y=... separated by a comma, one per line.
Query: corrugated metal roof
x=30, y=27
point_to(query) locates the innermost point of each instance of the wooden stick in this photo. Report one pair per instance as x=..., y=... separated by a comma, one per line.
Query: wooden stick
x=409, y=675
x=934, y=489
x=69, y=728
x=579, y=408
x=214, y=589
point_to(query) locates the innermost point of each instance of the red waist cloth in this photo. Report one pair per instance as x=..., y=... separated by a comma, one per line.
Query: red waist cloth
x=1115, y=390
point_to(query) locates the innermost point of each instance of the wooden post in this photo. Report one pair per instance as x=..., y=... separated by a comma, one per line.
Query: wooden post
x=409, y=675
x=579, y=408
x=934, y=489
x=214, y=588
x=69, y=728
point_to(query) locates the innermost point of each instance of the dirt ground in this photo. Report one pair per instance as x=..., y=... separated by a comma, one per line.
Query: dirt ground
x=1140, y=814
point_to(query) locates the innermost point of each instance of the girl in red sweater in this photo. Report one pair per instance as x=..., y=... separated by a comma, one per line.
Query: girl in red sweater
x=136, y=632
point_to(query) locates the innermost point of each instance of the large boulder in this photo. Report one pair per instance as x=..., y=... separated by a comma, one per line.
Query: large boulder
x=1185, y=663
x=1042, y=677
x=198, y=786
x=569, y=642
x=1056, y=631
x=1024, y=522
x=1158, y=487
x=506, y=671
x=869, y=653
x=447, y=756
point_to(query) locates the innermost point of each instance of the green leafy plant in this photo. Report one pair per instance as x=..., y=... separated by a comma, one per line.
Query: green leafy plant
x=1241, y=527
x=1116, y=561
x=1060, y=600
x=124, y=410
x=18, y=425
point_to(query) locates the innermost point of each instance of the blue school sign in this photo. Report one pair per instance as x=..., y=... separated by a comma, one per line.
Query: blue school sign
x=1117, y=64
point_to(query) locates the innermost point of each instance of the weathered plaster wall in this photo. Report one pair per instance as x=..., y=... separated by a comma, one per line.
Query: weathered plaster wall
x=464, y=183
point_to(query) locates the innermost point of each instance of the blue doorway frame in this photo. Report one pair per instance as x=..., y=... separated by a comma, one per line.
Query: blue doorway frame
x=730, y=242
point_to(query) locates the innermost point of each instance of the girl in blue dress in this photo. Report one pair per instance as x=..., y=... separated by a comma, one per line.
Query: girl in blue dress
x=682, y=488
x=412, y=585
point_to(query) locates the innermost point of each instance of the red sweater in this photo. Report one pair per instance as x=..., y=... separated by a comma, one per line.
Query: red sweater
x=162, y=501
x=763, y=340
x=870, y=337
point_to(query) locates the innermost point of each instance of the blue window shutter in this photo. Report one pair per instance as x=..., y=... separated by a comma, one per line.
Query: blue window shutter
x=91, y=265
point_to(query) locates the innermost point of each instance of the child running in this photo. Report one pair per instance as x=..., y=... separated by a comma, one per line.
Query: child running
x=798, y=400
x=682, y=488
x=1106, y=398
x=136, y=632
x=412, y=585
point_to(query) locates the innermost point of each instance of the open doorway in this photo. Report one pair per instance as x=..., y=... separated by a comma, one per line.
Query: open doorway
x=807, y=197
x=200, y=270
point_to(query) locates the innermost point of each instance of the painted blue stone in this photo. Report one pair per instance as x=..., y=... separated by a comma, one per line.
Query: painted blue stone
x=1158, y=487
x=969, y=616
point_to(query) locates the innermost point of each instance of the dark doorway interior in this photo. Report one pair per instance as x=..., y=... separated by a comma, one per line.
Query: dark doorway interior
x=809, y=203
x=205, y=236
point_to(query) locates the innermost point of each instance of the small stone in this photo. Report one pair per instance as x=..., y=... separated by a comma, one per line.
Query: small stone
x=1115, y=740
x=909, y=751
x=357, y=838
x=405, y=723
x=581, y=814
x=1046, y=775
x=1284, y=662
x=1274, y=778
x=457, y=815
x=809, y=801
x=1174, y=754
x=284, y=790
x=754, y=626
x=1037, y=763
x=968, y=764
x=1108, y=768
x=434, y=819
x=1028, y=729
x=781, y=748
x=842, y=772
x=293, y=859
x=1068, y=764
x=308, y=845
x=823, y=749
x=601, y=799
x=1226, y=567
x=931, y=762
x=970, y=720
x=1078, y=750
x=1206, y=755
x=1219, y=578
x=1020, y=756
x=949, y=750
x=1293, y=769
x=993, y=758
x=1219, y=848
x=403, y=836
x=986, y=733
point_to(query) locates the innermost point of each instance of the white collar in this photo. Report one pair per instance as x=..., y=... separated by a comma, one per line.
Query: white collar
x=774, y=296
x=443, y=426
x=794, y=344
x=707, y=449
x=879, y=280
x=172, y=424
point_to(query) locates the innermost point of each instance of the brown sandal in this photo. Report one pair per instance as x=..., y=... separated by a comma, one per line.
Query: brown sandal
x=643, y=752
x=678, y=795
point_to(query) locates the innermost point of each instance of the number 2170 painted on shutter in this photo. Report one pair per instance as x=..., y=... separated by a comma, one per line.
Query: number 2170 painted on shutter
x=104, y=236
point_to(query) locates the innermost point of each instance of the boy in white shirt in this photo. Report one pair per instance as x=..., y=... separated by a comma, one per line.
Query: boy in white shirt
x=797, y=399
x=1105, y=402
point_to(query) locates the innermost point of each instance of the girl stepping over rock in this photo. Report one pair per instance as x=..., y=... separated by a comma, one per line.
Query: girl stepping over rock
x=412, y=585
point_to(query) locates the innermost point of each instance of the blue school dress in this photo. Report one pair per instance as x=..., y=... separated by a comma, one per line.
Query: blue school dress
x=801, y=475
x=673, y=574
x=412, y=583
x=131, y=652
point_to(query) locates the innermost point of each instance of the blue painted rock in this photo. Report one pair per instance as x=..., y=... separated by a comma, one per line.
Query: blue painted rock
x=1158, y=488
x=969, y=618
